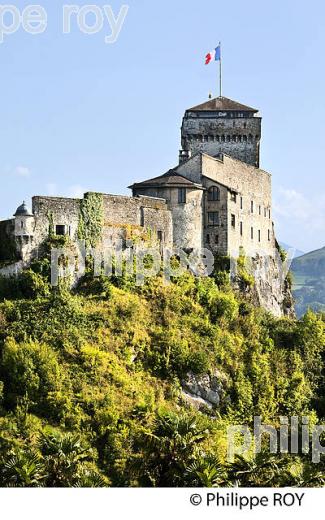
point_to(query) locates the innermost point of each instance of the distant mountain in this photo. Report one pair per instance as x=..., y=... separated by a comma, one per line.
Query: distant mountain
x=286, y=247
x=309, y=281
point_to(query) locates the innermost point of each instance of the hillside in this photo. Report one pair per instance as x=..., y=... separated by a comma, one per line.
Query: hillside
x=118, y=385
x=309, y=281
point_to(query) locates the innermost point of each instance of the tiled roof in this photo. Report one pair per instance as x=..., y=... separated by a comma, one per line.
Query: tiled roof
x=222, y=104
x=171, y=178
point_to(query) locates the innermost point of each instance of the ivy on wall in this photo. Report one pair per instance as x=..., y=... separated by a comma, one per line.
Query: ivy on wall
x=91, y=219
x=51, y=224
x=8, y=249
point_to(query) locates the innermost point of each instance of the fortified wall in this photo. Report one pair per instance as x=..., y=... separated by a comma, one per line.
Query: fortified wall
x=95, y=218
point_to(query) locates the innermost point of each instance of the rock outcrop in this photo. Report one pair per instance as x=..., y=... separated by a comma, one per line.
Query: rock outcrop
x=203, y=390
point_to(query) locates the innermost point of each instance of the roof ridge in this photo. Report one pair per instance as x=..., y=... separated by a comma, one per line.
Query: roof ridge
x=222, y=103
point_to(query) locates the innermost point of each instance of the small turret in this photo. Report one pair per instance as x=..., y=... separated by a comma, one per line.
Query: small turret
x=24, y=231
x=24, y=221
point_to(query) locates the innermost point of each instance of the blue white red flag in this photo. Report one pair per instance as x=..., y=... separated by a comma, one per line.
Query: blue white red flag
x=214, y=55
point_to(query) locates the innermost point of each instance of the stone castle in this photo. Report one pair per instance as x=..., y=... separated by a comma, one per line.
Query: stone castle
x=216, y=197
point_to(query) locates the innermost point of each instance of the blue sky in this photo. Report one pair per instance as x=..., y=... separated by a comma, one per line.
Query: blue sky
x=78, y=114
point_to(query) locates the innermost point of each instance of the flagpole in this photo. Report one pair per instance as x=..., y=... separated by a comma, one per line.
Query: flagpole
x=220, y=70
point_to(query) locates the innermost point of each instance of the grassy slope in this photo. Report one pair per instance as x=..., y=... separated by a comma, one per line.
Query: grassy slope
x=106, y=365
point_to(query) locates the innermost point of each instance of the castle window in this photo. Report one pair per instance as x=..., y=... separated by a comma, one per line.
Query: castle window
x=223, y=139
x=181, y=195
x=269, y=213
x=252, y=233
x=252, y=206
x=60, y=230
x=160, y=236
x=213, y=193
x=216, y=238
x=218, y=138
x=206, y=138
x=241, y=229
x=269, y=235
x=259, y=210
x=234, y=138
x=241, y=202
x=240, y=138
x=233, y=196
x=245, y=138
x=22, y=225
x=259, y=235
x=208, y=239
x=228, y=138
x=245, y=125
x=213, y=218
x=233, y=221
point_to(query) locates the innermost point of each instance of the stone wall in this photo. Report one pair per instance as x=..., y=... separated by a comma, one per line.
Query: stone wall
x=214, y=134
x=216, y=237
x=249, y=201
x=186, y=217
x=244, y=205
x=129, y=217
x=58, y=211
x=122, y=217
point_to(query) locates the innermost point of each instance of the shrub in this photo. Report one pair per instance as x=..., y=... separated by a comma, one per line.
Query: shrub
x=223, y=305
x=30, y=369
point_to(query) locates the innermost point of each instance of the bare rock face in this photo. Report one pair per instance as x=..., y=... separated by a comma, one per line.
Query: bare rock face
x=206, y=389
x=271, y=289
x=272, y=286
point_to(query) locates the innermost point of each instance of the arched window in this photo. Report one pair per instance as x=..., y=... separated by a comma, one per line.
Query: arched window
x=214, y=193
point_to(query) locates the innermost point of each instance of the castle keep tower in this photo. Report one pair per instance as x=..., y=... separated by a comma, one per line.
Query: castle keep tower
x=221, y=125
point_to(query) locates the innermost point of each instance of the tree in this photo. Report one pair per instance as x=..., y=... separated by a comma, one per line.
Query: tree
x=169, y=448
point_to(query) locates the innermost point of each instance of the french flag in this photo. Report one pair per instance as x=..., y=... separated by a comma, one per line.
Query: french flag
x=214, y=55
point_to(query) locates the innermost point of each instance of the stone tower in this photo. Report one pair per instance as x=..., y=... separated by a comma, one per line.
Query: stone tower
x=221, y=125
x=24, y=231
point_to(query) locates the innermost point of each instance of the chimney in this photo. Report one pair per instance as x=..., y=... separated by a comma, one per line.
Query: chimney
x=184, y=155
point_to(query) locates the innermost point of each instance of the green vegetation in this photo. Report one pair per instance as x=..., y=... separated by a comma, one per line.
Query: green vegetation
x=8, y=249
x=91, y=383
x=91, y=219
